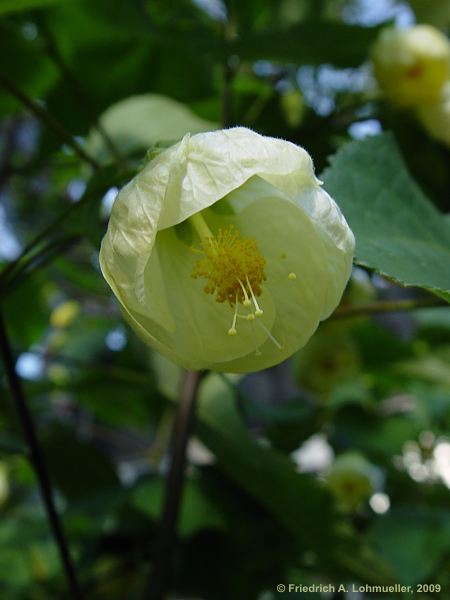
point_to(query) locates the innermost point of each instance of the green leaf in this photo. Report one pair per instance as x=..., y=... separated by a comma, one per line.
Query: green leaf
x=414, y=541
x=78, y=469
x=141, y=121
x=197, y=512
x=374, y=435
x=398, y=231
x=11, y=444
x=22, y=59
x=267, y=475
x=14, y=6
x=313, y=43
x=26, y=326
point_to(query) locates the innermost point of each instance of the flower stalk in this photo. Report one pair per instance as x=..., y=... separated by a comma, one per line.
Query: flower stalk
x=164, y=548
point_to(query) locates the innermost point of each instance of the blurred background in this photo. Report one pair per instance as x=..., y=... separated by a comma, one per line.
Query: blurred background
x=332, y=467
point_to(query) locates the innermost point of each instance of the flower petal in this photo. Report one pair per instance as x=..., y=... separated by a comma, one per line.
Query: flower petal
x=290, y=243
x=337, y=237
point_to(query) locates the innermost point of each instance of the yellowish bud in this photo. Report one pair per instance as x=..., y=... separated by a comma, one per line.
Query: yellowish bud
x=63, y=315
x=435, y=117
x=411, y=65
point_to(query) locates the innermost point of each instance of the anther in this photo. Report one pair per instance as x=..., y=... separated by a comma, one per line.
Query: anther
x=233, y=330
x=292, y=276
x=258, y=311
x=246, y=298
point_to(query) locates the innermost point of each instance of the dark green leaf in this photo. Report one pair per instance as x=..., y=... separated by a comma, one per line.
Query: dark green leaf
x=77, y=468
x=311, y=43
x=415, y=542
x=266, y=474
x=197, y=511
x=398, y=231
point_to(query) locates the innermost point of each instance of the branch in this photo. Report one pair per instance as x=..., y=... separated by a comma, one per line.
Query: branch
x=227, y=99
x=229, y=71
x=386, y=306
x=78, y=90
x=48, y=119
x=54, y=225
x=165, y=543
x=49, y=252
x=38, y=461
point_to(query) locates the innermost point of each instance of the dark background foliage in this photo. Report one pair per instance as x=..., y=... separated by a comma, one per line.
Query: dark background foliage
x=331, y=468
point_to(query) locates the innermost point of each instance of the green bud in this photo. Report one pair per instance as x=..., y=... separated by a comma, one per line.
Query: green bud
x=351, y=480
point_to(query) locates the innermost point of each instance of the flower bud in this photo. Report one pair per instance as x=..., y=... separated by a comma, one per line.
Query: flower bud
x=411, y=65
x=225, y=253
x=64, y=314
x=435, y=117
x=351, y=480
x=293, y=107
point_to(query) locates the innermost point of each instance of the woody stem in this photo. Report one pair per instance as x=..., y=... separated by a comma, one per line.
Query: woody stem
x=166, y=538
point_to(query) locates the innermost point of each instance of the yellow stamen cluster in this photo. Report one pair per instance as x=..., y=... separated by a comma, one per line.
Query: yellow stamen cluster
x=232, y=265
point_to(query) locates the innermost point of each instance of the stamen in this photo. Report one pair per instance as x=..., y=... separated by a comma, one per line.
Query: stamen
x=233, y=268
x=257, y=350
x=233, y=330
x=228, y=261
x=246, y=298
x=258, y=311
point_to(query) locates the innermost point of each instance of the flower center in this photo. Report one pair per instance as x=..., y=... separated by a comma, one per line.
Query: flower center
x=232, y=265
x=234, y=269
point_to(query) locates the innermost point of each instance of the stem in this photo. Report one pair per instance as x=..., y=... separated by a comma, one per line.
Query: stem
x=229, y=67
x=165, y=543
x=227, y=111
x=37, y=460
x=386, y=306
x=48, y=119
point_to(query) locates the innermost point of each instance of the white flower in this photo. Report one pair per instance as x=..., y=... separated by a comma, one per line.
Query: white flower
x=225, y=253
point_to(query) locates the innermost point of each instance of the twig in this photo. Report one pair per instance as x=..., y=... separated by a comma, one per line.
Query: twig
x=51, y=250
x=48, y=119
x=227, y=108
x=386, y=306
x=54, y=225
x=229, y=69
x=161, y=578
x=78, y=90
x=38, y=461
